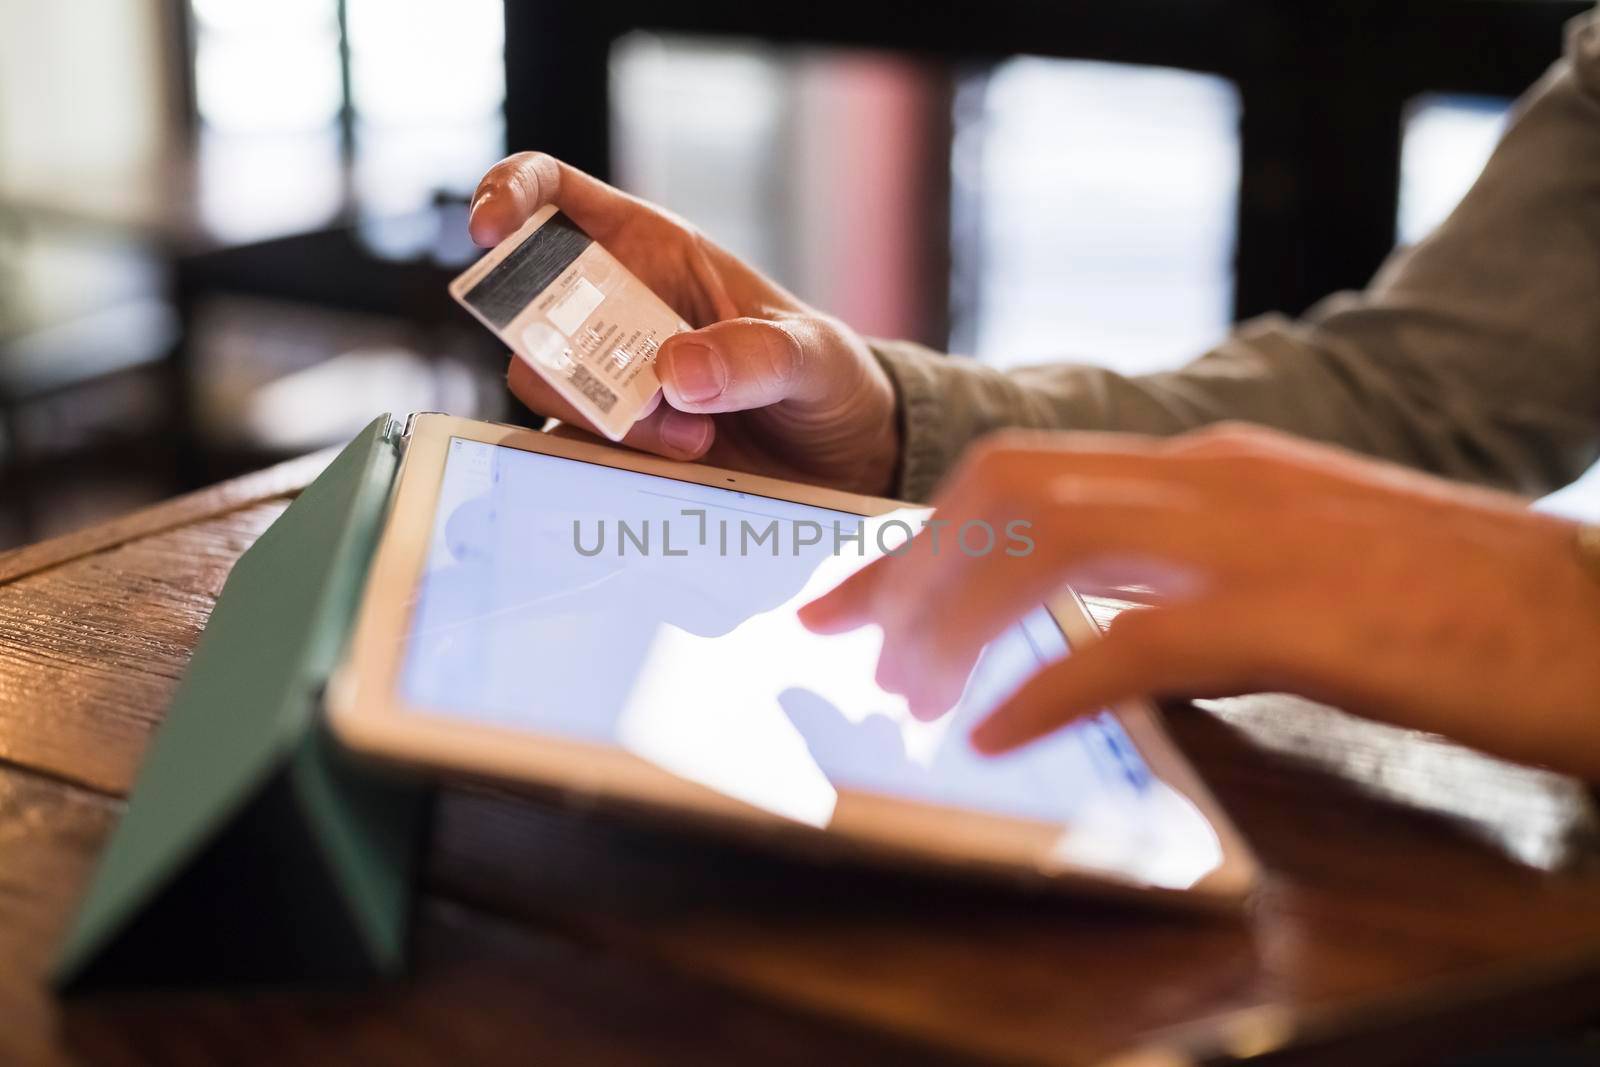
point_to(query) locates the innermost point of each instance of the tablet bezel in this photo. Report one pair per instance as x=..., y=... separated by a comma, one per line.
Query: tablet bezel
x=369, y=715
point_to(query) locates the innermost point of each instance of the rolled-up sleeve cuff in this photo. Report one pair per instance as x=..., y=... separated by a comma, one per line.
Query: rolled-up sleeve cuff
x=926, y=449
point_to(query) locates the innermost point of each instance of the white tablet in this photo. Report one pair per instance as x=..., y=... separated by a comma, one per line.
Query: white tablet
x=616, y=627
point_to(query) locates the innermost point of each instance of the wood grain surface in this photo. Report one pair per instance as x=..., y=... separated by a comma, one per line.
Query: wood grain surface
x=1420, y=899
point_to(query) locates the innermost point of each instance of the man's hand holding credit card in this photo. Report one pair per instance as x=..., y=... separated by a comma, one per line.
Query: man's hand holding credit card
x=575, y=315
x=750, y=377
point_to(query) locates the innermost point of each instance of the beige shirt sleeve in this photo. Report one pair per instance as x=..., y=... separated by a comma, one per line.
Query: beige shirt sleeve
x=1474, y=354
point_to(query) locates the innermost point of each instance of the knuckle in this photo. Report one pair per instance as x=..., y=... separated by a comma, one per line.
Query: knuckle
x=995, y=454
x=834, y=350
x=1236, y=430
x=784, y=352
x=1237, y=450
x=1013, y=441
x=528, y=161
x=696, y=247
x=1222, y=438
x=827, y=331
x=1004, y=465
x=540, y=175
x=502, y=171
x=535, y=175
x=988, y=479
x=1013, y=488
x=977, y=466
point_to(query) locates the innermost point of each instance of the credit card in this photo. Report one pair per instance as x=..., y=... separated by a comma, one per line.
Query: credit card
x=568, y=309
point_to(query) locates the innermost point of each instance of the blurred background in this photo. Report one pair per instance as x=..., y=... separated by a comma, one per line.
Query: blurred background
x=226, y=225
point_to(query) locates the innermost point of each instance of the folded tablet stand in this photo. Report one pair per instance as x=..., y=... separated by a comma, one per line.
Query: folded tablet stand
x=252, y=849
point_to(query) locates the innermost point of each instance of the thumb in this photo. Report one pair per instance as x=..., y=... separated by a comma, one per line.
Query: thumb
x=739, y=364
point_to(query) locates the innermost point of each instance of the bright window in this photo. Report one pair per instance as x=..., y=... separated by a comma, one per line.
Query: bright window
x=1446, y=142
x=1094, y=213
x=427, y=81
x=426, y=86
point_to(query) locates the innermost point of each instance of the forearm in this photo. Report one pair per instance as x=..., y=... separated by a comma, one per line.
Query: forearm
x=1475, y=355
x=1270, y=372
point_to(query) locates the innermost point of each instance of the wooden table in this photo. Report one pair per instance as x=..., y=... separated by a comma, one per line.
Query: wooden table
x=1421, y=899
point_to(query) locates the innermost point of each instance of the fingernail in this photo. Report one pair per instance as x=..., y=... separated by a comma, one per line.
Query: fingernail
x=814, y=613
x=477, y=228
x=697, y=373
x=686, y=433
x=985, y=740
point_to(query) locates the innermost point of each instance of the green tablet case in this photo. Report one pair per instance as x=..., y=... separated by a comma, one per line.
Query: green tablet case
x=253, y=850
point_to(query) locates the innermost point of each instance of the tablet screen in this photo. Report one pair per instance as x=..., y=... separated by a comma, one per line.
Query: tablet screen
x=619, y=608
